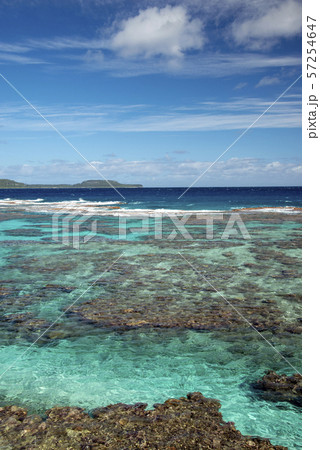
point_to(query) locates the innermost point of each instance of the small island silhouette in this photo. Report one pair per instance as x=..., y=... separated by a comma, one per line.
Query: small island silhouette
x=98, y=184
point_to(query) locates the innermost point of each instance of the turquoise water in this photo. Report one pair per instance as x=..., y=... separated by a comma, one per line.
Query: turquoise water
x=97, y=370
x=89, y=364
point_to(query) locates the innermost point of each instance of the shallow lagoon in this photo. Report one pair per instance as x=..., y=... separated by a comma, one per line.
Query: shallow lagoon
x=89, y=362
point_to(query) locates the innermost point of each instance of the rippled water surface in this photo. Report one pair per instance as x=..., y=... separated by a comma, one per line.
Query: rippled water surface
x=148, y=326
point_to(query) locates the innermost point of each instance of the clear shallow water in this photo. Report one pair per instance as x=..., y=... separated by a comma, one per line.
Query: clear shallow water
x=82, y=364
x=101, y=369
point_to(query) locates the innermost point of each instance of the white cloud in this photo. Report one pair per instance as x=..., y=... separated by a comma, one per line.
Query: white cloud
x=158, y=29
x=167, y=31
x=156, y=36
x=275, y=165
x=282, y=20
x=268, y=81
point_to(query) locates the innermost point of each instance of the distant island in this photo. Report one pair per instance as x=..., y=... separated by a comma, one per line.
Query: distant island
x=98, y=184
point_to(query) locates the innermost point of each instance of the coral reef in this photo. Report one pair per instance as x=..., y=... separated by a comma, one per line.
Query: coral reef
x=280, y=388
x=192, y=422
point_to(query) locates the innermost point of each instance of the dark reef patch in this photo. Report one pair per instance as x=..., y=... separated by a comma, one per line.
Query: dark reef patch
x=280, y=388
x=192, y=422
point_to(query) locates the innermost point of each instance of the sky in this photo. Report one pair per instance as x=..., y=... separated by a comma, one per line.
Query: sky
x=151, y=91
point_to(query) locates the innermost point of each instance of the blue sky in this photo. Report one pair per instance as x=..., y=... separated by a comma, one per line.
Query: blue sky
x=150, y=91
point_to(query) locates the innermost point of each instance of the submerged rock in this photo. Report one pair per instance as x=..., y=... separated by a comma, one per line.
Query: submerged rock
x=166, y=312
x=192, y=422
x=280, y=388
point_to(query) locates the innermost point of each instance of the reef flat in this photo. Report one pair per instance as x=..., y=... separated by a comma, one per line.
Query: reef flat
x=136, y=318
x=191, y=422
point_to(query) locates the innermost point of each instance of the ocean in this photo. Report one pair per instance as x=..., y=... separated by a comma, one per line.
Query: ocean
x=92, y=316
x=168, y=198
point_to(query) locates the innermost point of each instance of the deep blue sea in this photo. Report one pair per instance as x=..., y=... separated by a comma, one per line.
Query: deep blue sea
x=212, y=198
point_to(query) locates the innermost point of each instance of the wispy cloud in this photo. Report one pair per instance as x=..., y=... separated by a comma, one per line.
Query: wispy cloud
x=235, y=114
x=268, y=81
x=213, y=65
x=13, y=48
x=95, y=56
x=240, y=85
x=19, y=59
x=180, y=152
